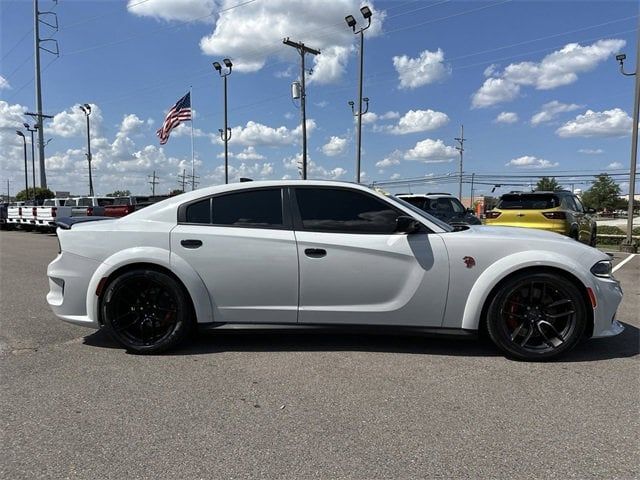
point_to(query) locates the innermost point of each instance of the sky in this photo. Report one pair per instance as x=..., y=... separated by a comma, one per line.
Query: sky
x=535, y=84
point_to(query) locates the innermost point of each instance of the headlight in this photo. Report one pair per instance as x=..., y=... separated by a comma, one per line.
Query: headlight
x=602, y=269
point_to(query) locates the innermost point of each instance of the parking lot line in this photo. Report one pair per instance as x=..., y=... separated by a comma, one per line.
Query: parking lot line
x=617, y=267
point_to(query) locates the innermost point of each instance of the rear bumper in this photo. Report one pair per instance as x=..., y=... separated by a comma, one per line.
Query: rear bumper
x=69, y=275
x=561, y=229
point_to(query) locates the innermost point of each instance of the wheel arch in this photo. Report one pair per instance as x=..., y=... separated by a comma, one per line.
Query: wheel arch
x=485, y=287
x=154, y=259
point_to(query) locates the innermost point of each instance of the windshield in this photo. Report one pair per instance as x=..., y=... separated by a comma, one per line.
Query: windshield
x=529, y=201
x=70, y=202
x=446, y=227
x=122, y=201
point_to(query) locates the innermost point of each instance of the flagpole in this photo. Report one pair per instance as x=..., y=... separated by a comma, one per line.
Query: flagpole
x=193, y=158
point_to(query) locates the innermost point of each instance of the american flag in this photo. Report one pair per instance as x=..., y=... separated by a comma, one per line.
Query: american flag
x=179, y=113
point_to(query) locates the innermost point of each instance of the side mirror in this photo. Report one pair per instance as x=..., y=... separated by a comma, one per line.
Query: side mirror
x=407, y=224
x=470, y=210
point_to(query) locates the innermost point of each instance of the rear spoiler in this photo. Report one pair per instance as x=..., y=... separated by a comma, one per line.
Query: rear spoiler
x=67, y=222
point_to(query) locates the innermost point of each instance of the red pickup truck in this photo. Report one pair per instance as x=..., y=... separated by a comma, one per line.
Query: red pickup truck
x=125, y=205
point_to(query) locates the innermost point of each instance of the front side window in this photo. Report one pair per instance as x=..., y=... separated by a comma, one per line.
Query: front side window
x=254, y=208
x=580, y=207
x=340, y=210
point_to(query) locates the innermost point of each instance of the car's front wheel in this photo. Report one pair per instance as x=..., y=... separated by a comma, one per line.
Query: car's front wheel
x=146, y=311
x=536, y=316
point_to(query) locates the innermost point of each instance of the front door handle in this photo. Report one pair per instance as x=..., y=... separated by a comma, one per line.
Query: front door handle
x=190, y=243
x=315, y=252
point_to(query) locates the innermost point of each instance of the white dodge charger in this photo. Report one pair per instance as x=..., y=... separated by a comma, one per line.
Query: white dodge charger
x=305, y=254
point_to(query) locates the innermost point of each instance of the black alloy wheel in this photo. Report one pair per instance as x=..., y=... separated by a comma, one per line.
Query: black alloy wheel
x=537, y=316
x=146, y=311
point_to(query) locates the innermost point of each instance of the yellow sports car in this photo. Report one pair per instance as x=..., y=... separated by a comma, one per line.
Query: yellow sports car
x=560, y=212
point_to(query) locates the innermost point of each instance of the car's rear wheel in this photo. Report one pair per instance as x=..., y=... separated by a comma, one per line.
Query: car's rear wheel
x=146, y=311
x=536, y=316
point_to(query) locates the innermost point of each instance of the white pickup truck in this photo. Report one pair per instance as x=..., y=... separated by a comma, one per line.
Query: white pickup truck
x=14, y=214
x=46, y=213
x=84, y=206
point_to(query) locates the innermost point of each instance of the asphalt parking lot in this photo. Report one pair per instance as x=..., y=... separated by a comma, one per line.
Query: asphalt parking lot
x=74, y=405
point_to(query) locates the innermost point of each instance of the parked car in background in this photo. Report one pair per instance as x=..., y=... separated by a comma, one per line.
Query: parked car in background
x=125, y=205
x=28, y=215
x=443, y=206
x=3, y=215
x=84, y=206
x=307, y=254
x=46, y=213
x=561, y=212
x=14, y=214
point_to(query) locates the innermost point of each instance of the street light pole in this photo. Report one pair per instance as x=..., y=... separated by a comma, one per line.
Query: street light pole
x=351, y=22
x=628, y=245
x=86, y=108
x=33, y=156
x=26, y=177
x=225, y=134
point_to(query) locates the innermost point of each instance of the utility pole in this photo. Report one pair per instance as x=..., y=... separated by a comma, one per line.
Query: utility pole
x=26, y=175
x=33, y=156
x=472, y=179
x=182, y=179
x=351, y=22
x=153, y=182
x=86, y=108
x=460, y=149
x=225, y=135
x=628, y=245
x=302, y=50
x=8, y=192
x=38, y=84
x=194, y=181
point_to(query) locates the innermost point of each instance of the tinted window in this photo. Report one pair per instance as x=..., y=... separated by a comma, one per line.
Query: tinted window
x=446, y=205
x=85, y=202
x=199, y=212
x=49, y=203
x=256, y=208
x=528, y=202
x=103, y=202
x=70, y=202
x=416, y=202
x=122, y=201
x=578, y=204
x=340, y=210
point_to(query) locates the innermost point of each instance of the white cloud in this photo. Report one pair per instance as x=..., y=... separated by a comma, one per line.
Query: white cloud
x=251, y=33
x=313, y=169
x=335, y=146
x=248, y=153
x=427, y=68
x=256, y=134
x=506, y=117
x=554, y=70
x=431, y=151
x=418, y=121
x=73, y=123
x=11, y=151
x=551, y=110
x=387, y=162
x=4, y=83
x=529, y=161
x=395, y=176
x=255, y=171
x=615, y=165
x=591, y=151
x=609, y=123
x=183, y=10
x=368, y=118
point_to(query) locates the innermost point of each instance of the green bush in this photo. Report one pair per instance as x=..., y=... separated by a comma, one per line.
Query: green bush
x=609, y=230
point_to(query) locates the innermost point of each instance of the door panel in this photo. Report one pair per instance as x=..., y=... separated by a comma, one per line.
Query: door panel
x=251, y=273
x=377, y=279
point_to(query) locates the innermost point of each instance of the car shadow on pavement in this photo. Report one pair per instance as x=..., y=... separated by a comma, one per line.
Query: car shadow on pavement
x=625, y=345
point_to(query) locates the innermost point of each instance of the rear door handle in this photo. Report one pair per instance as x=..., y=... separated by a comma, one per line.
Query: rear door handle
x=315, y=252
x=190, y=243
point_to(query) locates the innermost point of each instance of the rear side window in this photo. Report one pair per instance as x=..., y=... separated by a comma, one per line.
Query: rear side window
x=528, y=202
x=103, y=202
x=338, y=210
x=446, y=205
x=255, y=208
x=199, y=212
x=416, y=202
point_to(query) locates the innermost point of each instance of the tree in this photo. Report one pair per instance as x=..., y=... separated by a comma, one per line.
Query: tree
x=119, y=193
x=547, y=184
x=177, y=191
x=602, y=194
x=41, y=194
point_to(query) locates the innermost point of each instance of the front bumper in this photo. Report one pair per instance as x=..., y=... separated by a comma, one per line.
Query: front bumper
x=608, y=295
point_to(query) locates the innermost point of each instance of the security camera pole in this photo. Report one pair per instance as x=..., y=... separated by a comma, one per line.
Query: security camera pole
x=225, y=134
x=302, y=49
x=628, y=245
x=86, y=108
x=351, y=22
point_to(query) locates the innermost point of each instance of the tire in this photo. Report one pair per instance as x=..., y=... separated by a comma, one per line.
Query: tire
x=536, y=316
x=593, y=240
x=146, y=311
x=574, y=234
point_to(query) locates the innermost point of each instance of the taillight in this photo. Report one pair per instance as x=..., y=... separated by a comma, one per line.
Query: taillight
x=493, y=214
x=89, y=210
x=555, y=215
x=53, y=211
x=34, y=211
